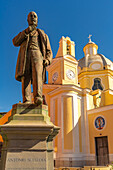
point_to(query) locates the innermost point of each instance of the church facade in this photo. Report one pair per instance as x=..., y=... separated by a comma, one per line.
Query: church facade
x=79, y=94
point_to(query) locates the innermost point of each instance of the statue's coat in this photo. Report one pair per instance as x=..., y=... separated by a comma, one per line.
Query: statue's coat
x=22, y=40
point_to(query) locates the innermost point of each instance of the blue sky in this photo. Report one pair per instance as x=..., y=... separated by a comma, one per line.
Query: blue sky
x=74, y=18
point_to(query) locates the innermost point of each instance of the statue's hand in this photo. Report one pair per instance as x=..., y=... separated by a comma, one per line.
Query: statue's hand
x=30, y=29
x=45, y=63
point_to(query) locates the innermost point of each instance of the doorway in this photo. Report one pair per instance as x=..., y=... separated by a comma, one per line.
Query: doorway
x=102, y=152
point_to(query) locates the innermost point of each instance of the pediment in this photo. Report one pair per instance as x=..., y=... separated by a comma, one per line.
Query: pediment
x=69, y=57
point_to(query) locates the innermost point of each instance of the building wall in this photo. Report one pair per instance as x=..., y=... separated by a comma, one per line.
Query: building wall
x=107, y=113
x=86, y=79
x=107, y=97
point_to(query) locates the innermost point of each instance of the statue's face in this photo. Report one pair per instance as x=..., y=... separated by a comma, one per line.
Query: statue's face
x=32, y=18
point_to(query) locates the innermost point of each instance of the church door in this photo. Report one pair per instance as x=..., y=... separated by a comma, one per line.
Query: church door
x=102, y=153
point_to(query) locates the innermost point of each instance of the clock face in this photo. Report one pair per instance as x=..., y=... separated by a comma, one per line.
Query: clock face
x=70, y=74
x=55, y=76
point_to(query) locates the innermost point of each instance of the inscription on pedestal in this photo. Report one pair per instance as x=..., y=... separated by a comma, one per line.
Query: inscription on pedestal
x=26, y=162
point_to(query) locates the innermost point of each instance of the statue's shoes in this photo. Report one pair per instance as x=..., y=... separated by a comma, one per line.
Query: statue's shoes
x=38, y=100
x=27, y=102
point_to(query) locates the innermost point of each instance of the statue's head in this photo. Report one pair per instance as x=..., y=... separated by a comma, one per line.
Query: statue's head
x=32, y=18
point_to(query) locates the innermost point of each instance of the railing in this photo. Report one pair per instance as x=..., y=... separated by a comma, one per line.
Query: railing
x=85, y=168
x=88, y=162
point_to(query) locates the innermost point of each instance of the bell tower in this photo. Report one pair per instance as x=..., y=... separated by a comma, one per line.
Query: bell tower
x=64, y=98
x=63, y=69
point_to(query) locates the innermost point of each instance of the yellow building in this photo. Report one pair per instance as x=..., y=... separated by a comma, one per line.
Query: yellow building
x=79, y=95
x=80, y=99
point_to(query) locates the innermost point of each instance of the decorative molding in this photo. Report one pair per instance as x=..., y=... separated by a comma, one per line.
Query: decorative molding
x=96, y=65
x=100, y=109
x=75, y=89
x=76, y=157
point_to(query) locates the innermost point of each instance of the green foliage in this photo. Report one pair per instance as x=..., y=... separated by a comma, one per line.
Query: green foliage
x=1, y=115
x=111, y=165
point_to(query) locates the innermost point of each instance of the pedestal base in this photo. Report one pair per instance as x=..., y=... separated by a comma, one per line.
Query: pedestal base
x=28, y=139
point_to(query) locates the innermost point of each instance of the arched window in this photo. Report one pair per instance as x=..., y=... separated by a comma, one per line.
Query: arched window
x=68, y=49
x=68, y=43
x=97, y=84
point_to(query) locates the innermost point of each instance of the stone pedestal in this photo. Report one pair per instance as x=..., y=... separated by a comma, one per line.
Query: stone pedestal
x=28, y=139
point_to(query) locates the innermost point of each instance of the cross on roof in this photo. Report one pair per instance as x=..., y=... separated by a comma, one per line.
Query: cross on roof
x=90, y=37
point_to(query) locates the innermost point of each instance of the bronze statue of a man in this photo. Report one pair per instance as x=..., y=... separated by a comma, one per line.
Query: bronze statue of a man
x=34, y=55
